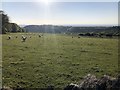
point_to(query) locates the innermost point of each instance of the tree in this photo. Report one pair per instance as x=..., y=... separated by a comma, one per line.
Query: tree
x=4, y=19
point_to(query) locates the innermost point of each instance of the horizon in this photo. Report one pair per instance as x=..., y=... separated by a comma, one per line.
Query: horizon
x=62, y=13
x=86, y=25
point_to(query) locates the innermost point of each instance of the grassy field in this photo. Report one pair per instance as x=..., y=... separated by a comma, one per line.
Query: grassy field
x=56, y=59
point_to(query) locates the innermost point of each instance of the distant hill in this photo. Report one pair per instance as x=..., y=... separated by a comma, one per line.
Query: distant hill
x=46, y=28
x=71, y=29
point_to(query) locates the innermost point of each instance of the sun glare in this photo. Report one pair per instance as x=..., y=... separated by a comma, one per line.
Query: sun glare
x=46, y=2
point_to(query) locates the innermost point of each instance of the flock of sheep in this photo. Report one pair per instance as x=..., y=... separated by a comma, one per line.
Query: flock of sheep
x=23, y=38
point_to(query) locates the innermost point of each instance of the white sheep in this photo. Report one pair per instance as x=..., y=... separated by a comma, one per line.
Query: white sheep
x=24, y=38
x=39, y=35
x=9, y=37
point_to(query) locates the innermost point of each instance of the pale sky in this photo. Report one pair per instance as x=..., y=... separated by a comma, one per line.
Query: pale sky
x=60, y=13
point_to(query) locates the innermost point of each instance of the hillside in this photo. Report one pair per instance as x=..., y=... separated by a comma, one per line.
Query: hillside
x=70, y=29
x=13, y=27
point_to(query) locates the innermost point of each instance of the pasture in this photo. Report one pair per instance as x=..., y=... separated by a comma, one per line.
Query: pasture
x=55, y=59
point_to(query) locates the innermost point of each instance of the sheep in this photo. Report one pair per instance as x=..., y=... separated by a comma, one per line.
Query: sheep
x=9, y=37
x=24, y=38
x=39, y=35
x=16, y=36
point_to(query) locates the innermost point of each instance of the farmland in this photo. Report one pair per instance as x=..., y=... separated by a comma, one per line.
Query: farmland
x=56, y=59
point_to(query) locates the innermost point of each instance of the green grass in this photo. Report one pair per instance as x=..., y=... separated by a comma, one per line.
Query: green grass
x=56, y=59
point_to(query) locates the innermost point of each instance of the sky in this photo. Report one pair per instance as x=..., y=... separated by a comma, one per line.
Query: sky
x=62, y=13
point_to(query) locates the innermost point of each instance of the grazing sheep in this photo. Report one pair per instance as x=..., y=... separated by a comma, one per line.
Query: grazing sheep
x=16, y=36
x=39, y=35
x=24, y=38
x=9, y=37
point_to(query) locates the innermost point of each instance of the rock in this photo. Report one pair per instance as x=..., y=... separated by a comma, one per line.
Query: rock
x=72, y=87
x=90, y=82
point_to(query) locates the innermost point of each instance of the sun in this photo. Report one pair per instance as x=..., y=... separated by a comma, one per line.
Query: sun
x=46, y=2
